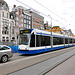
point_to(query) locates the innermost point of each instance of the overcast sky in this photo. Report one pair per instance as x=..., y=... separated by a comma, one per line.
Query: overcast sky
x=64, y=9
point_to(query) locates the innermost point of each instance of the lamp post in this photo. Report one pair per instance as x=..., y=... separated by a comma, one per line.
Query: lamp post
x=51, y=34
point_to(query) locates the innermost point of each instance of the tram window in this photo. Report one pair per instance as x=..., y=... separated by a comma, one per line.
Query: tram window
x=74, y=40
x=42, y=41
x=54, y=41
x=70, y=40
x=38, y=40
x=45, y=40
x=32, y=42
x=57, y=41
x=66, y=40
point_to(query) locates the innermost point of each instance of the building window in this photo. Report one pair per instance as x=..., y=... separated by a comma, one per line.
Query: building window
x=29, y=22
x=13, y=38
x=21, y=24
x=12, y=31
x=2, y=14
x=24, y=21
x=7, y=39
x=24, y=16
x=5, y=30
x=3, y=38
x=16, y=23
x=19, y=19
x=25, y=26
x=17, y=29
x=29, y=18
x=5, y=22
x=7, y=15
x=16, y=18
x=29, y=27
x=12, y=17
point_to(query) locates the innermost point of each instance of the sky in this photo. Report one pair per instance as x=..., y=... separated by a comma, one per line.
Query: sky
x=62, y=12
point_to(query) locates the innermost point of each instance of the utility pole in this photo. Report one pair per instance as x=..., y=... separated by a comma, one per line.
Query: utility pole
x=51, y=34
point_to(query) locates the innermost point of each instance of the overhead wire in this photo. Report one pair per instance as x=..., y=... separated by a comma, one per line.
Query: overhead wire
x=50, y=10
x=39, y=12
x=47, y=9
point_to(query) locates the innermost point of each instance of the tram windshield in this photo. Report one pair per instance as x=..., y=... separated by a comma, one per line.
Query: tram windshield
x=24, y=39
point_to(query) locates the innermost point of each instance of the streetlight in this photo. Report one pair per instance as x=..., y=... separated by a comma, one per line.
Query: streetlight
x=51, y=33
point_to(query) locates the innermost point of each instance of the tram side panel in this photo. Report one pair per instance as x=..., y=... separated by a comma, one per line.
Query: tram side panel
x=58, y=43
x=70, y=42
x=66, y=42
x=42, y=43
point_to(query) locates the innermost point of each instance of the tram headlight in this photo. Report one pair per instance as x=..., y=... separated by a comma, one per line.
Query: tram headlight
x=26, y=48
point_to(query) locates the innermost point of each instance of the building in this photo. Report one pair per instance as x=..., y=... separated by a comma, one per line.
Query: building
x=6, y=24
x=68, y=32
x=46, y=25
x=31, y=18
x=22, y=19
x=27, y=20
x=57, y=29
x=37, y=19
x=18, y=17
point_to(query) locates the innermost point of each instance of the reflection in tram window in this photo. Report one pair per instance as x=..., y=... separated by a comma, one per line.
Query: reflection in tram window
x=70, y=40
x=57, y=41
x=66, y=40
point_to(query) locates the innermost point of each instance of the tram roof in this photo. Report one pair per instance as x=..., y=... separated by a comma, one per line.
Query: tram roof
x=47, y=33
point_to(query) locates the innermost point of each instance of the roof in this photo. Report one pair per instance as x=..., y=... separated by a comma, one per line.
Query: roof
x=3, y=2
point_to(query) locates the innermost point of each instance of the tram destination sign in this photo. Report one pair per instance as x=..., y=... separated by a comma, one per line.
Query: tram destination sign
x=25, y=31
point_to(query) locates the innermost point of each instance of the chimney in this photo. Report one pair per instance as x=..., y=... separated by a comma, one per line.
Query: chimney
x=14, y=6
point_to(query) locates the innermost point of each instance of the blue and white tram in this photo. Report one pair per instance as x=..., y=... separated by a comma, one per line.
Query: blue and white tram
x=34, y=41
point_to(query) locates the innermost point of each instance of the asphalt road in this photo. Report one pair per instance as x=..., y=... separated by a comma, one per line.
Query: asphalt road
x=19, y=61
x=43, y=67
x=16, y=56
x=66, y=68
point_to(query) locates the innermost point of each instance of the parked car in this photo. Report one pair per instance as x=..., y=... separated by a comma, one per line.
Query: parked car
x=5, y=53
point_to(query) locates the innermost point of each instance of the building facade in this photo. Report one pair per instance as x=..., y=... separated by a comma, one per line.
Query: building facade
x=27, y=20
x=37, y=19
x=18, y=17
x=6, y=35
x=68, y=32
x=57, y=29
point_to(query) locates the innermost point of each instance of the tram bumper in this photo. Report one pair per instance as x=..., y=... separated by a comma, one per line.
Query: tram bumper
x=23, y=48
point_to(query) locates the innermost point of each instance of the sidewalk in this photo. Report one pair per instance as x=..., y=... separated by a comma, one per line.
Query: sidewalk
x=45, y=66
x=66, y=68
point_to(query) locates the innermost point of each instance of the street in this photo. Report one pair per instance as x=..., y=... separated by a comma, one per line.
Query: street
x=45, y=66
x=19, y=61
x=16, y=56
x=66, y=68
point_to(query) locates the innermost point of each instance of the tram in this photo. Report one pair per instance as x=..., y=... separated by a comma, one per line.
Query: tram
x=34, y=41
